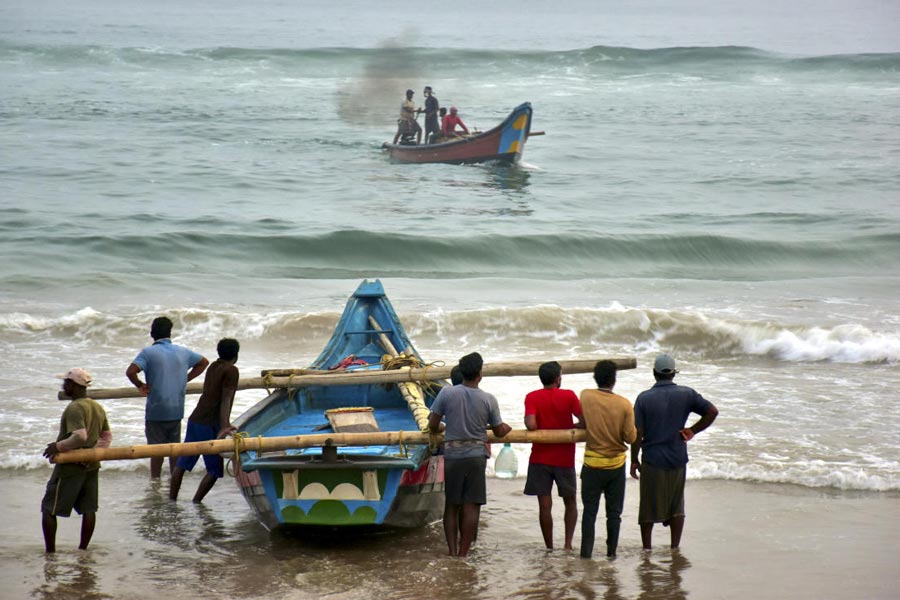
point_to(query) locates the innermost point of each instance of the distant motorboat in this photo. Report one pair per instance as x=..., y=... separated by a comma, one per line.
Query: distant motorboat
x=504, y=143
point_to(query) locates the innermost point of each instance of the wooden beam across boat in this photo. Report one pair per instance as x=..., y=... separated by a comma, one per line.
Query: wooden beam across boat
x=294, y=378
x=281, y=443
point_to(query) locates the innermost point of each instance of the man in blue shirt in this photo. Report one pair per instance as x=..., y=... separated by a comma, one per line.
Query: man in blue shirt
x=167, y=367
x=660, y=415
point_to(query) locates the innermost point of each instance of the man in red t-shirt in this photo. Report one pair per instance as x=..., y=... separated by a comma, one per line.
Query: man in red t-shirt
x=448, y=126
x=553, y=408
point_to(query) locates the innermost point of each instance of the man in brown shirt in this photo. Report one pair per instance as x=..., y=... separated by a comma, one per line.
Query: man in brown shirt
x=211, y=419
x=609, y=424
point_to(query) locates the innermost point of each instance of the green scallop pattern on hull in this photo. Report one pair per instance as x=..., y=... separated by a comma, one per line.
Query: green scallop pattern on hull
x=332, y=512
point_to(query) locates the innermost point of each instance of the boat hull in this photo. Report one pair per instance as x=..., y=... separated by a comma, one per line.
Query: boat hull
x=361, y=486
x=402, y=498
x=504, y=143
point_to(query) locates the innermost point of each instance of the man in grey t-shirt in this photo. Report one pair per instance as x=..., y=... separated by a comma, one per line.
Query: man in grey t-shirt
x=468, y=412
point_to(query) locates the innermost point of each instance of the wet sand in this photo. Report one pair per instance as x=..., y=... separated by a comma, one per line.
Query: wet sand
x=741, y=540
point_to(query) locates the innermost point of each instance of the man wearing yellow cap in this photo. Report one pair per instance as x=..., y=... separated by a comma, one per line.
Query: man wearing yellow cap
x=74, y=485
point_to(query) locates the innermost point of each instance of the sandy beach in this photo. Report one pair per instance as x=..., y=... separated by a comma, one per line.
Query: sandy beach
x=717, y=181
x=741, y=541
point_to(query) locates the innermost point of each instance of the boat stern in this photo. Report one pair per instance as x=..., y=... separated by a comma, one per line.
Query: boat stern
x=353, y=493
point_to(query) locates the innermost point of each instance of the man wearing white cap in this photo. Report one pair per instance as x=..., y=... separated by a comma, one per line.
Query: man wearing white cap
x=660, y=415
x=74, y=485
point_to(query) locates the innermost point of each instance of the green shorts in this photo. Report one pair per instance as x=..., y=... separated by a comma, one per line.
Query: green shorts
x=74, y=487
x=662, y=494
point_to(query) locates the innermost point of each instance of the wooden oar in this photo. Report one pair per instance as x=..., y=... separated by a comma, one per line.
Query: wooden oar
x=272, y=444
x=534, y=133
x=294, y=378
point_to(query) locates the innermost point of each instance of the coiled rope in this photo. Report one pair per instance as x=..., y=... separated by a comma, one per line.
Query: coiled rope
x=240, y=446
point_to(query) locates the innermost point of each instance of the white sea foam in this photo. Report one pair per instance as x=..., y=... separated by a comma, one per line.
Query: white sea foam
x=811, y=474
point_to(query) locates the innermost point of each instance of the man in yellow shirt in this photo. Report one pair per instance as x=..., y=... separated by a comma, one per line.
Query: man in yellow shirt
x=609, y=424
x=407, y=124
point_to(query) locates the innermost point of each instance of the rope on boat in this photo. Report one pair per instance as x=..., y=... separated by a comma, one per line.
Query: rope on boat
x=240, y=445
x=404, y=452
x=411, y=391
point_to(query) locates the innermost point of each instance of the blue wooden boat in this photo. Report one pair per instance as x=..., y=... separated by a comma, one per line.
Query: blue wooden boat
x=389, y=486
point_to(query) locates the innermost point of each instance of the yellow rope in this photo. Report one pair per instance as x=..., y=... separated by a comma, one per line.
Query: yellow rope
x=403, y=450
x=240, y=446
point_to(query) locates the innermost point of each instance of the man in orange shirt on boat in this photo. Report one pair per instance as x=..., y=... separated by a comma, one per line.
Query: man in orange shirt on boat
x=448, y=128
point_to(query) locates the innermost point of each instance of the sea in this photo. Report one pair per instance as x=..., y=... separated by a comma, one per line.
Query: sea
x=716, y=181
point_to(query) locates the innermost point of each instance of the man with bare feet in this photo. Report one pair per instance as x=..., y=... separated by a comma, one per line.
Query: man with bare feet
x=468, y=412
x=660, y=415
x=552, y=407
x=75, y=485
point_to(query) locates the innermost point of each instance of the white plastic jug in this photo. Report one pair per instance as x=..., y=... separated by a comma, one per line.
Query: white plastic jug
x=507, y=464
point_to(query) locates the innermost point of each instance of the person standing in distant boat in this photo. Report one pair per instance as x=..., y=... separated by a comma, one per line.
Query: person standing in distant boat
x=609, y=421
x=660, y=415
x=75, y=485
x=553, y=408
x=211, y=419
x=432, y=106
x=167, y=367
x=468, y=412
x=407, y=124
x=450, y=123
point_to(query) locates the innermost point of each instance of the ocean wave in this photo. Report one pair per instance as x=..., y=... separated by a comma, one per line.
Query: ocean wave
x=360, y=254
x=399, y=62
x=815, y=474
x=522, y=331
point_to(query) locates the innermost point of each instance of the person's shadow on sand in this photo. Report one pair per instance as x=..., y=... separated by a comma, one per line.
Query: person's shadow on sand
x=662, y=578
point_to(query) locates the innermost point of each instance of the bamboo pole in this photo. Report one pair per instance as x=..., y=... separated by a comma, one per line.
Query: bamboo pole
x=292, y=380
x=411, y=392
x=273, y=444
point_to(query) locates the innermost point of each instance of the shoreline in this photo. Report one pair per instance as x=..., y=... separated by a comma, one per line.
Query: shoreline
x=741, y=540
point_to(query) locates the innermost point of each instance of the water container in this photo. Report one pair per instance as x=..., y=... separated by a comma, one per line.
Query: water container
x=507, y=464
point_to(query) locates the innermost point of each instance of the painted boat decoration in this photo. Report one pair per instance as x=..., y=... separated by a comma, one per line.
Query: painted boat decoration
x=388, y=486
x=503, y=143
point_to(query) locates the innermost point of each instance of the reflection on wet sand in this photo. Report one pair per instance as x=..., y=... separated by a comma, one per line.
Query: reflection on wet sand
x=661, y=576
x=72, y=575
